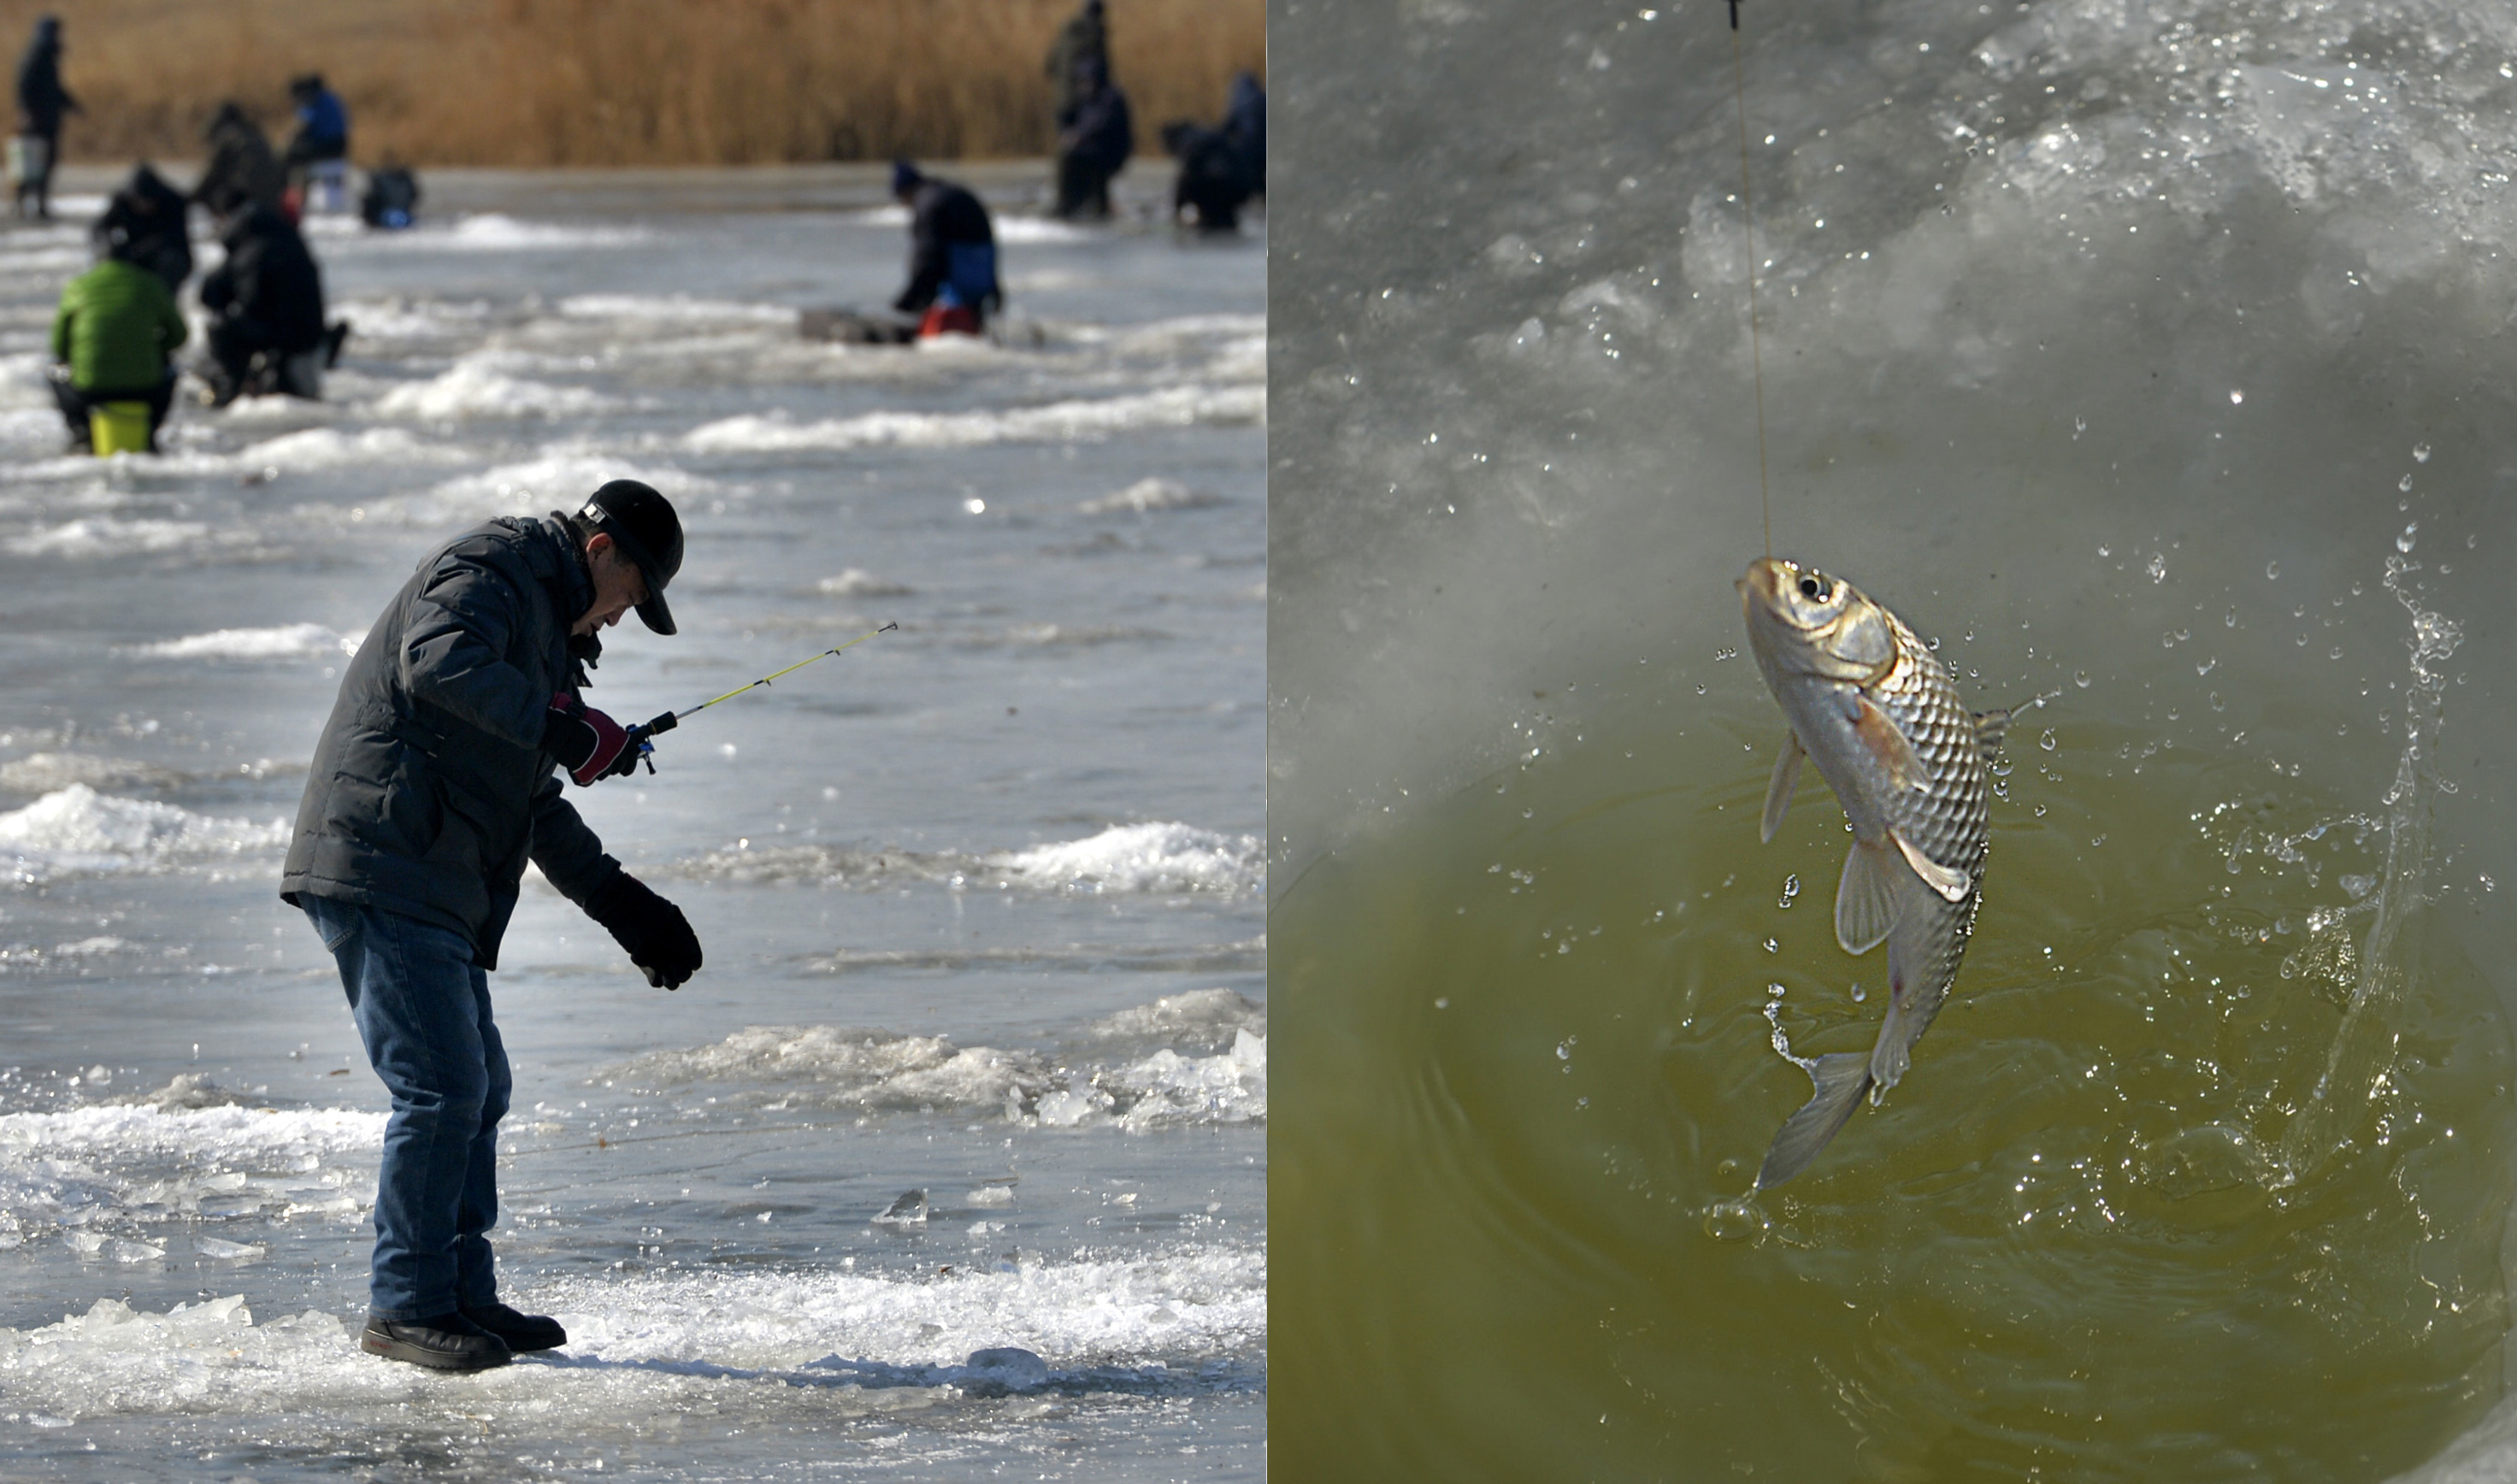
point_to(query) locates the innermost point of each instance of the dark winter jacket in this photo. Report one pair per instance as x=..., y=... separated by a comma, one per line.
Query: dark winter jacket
x=1082, y=38
x=241, y=167
x=1211, y=177
x=952, y=246
x=41, y=98
x=1244, y=123
x=145, y=224
x=268, y=277
x=428, y=789
x=1098, y=129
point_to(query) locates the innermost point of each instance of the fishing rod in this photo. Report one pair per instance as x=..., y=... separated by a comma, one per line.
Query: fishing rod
x=639, y=734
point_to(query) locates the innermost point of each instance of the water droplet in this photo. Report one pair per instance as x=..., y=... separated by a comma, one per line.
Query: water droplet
x=1726, y=653
x=1442, y=1003
x=1791, y=889
x=1564, y=1049
x=1699, y=690
x=2405, y=485
x=2403, y=542
x=2272, y=569
x=1734, y=1221
x=2157, y=568
x=2236, y=397
x=2081, y=678
x=2420, y=453
x=1772, y=946
x=2046, y=742
x=2207, y=665
x=2229, y=620
x=1859, y=993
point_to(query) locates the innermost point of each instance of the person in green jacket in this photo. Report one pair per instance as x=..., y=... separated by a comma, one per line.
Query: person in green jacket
x=116, y=327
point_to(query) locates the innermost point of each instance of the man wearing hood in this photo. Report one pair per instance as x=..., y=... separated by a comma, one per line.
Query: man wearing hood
x=436, y=780
x=266, y=300
x=42, y=100
x=952, y=255
x=241, y=170
x=144, y=224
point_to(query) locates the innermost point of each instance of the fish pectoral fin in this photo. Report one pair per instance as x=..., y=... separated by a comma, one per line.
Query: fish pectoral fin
x=1840, y=1080
x=1779, y=790
x=1866, y=898
x=1989, y=729
x=1950, y=882
x=1887, y=743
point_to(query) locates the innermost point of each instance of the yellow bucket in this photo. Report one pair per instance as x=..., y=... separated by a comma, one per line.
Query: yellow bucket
x=118, y=427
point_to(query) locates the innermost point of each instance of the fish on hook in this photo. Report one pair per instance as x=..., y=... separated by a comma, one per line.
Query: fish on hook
x=1879, y=715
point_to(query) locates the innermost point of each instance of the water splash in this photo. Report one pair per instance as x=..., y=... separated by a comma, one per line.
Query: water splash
x=2364, y=1045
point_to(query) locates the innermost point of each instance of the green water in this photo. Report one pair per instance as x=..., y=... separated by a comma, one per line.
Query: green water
x=1525, y=1053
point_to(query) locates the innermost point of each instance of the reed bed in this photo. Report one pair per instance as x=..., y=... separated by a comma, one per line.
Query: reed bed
x=629, y=82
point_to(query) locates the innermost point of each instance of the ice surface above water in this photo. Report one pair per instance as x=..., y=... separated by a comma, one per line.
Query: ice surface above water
x=1156, y=1324
x=1222, y=1076
x=1144, y=858
x=77, y=830
x=1058, y=422
x=291, y=641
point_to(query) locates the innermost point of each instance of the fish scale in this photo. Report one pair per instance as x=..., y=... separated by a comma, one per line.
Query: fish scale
x=1848, y=674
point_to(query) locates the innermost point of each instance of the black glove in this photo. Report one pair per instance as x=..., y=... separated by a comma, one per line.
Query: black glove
x=586, y=742
x=657, y=935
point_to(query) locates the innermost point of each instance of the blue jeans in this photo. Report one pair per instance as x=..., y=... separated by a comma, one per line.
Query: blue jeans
x=422, y=1006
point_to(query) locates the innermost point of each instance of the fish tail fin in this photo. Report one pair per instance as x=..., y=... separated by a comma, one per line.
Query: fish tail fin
x=1989, y=729
x=1840, y=1080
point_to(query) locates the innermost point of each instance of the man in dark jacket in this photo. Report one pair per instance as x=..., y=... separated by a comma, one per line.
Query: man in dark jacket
x=1245, y=124
x=144, y=224
x=431, y=787
x=1210, y=182
x=241, y=170
x=1095, y=138
x=41, y=102
x=952, y=255
x=1084, y=37
x=266, y=300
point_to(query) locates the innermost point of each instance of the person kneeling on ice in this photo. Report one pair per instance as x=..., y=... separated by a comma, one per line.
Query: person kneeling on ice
x=432, y=786
x=116, y=325
x=952, y=255
x=266, y=303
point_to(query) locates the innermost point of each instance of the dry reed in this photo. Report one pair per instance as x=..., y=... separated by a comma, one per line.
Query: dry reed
x=629, y=82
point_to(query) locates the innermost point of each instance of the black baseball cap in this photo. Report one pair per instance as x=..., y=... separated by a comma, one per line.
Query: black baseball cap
x=642, y=522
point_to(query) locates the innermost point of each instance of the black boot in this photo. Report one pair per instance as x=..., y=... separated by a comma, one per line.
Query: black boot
x=521, y=1331
x=448, y=1342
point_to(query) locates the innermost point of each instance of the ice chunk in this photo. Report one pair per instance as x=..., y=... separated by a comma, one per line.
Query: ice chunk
x=221, y=1250
x=907, y=1210
x=1008, y=1367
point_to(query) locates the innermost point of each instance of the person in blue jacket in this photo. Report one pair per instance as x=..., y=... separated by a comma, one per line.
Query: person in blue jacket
x=320, y=151
x=951, y=254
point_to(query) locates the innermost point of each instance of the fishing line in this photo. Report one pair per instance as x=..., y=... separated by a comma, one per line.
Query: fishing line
x=1748, y=214
x=639, y=734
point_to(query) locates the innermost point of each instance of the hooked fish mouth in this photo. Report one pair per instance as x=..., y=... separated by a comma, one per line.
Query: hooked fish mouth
x=1763, y=585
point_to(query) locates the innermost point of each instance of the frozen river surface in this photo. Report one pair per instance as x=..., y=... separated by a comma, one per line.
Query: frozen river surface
x=979, y=1057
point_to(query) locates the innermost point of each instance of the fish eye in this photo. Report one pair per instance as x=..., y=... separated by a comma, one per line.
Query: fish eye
x=1814, y=587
